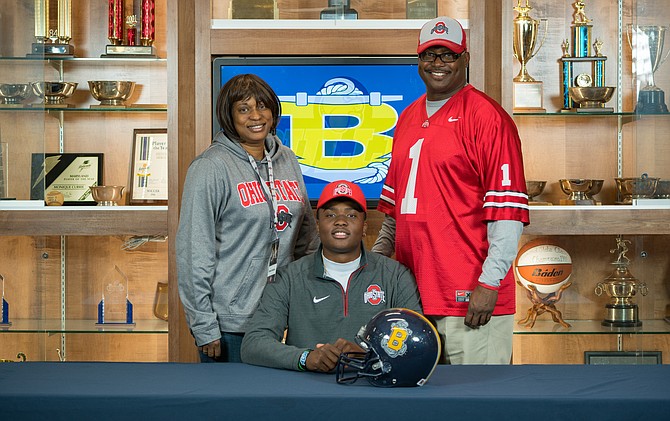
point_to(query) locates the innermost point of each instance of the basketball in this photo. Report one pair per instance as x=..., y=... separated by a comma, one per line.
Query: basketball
x=543, y=264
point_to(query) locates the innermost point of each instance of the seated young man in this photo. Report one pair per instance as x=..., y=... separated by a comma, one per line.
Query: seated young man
x=323, y=299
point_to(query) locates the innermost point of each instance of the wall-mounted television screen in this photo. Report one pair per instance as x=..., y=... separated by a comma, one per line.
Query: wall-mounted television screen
x=338, y=113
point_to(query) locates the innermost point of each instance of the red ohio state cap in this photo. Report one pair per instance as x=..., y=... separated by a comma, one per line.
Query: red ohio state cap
x=442, y=31
x=342, y=189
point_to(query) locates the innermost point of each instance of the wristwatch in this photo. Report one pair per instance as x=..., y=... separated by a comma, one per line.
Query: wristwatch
x=302, y=364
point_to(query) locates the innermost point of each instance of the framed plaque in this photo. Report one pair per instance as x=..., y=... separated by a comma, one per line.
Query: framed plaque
x=528, y=97
x=623, y=357
x=149, y=167
x=68, y=173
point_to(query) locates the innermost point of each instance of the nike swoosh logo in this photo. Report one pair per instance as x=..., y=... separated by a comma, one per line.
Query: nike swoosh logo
x=453, y=119
x=318, y=300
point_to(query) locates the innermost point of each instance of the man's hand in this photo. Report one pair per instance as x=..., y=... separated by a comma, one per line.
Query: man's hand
x=324, y=357
x=212, y=349
x=482, y=303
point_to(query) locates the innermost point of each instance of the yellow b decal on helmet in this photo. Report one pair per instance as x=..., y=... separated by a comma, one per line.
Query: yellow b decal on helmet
x=397, y=338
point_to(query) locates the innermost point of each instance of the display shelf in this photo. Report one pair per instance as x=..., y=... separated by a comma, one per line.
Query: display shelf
x=592, y=327
x=328, y=24
x=85, y=220
x=54, y=326
x=102, y=60
x=598, y=220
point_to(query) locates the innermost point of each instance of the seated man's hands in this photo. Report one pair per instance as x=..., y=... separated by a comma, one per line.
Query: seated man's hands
x=324, y=357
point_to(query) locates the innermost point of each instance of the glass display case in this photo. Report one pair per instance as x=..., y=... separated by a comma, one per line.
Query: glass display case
x=67, y=123
x=621, y=137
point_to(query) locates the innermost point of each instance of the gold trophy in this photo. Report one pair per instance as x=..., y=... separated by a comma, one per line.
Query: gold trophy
x=53, y=42
x=621, y=286
x=647, y=41
x=527, y=91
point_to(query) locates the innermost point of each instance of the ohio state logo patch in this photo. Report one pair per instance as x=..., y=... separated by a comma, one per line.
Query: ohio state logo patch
x=342, y=189
x=374, y=295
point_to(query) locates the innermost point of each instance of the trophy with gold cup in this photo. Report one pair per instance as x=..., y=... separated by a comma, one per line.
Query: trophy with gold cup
x=527, y=91
x=52, y=41
x=583, y=71
x=621, y=286
x=647, y=44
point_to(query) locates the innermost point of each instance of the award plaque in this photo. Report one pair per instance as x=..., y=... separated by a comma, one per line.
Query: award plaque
x=528, y=93
x=53, y=41
x=68, y=173
x=4, y=321
x=115, y=308
x=421, y=9
x=149, y=171
x=253, y=9
x=338, y=10
x=621, y=286
x=647, y=43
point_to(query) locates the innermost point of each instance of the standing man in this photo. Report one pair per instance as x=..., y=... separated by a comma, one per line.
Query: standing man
x=456, y=203
x=322, y=300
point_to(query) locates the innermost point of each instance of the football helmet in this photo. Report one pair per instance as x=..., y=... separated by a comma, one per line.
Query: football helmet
x=402, y=349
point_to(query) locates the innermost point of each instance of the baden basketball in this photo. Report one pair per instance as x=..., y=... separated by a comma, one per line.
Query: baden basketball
x=544, y=264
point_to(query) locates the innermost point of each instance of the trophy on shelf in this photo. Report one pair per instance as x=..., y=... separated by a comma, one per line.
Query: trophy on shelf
x=124, y=43
x=580, y=191
x=646, y=43
x=583, y=73
x=535, y=188
x=49, y=41
x=4, y=321
x=528, y=92
x=621, y=286
x=338, y=10
x=115, y=308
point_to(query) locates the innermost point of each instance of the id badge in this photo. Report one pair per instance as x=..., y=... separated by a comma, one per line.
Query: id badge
x=272, y=263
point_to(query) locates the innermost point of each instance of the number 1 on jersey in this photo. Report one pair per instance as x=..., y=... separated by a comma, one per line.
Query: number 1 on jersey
x=408, y=203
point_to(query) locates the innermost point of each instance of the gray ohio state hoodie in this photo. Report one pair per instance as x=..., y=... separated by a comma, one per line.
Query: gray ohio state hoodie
x=225, y=231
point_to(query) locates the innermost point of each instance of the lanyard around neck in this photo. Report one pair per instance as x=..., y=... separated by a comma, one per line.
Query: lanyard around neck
x=268, y=193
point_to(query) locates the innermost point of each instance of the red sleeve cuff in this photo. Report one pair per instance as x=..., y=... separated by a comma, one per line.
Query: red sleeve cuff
x=492, y=288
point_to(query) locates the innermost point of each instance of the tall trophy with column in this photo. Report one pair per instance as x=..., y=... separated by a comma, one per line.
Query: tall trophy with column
x=583, y=69
x=50, y=40
x=528, y=92
x=124, y=30
x=647, y=45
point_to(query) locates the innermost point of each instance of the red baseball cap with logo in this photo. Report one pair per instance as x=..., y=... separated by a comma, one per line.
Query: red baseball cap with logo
x=342, y=189
x=442, y=31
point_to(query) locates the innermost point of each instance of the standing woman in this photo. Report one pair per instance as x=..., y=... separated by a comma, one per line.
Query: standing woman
x=244, y=212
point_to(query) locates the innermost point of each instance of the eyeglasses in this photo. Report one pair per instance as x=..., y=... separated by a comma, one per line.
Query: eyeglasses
x=430, y=57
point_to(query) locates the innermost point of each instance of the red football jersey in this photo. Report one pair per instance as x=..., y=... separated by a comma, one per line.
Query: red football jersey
x=449, y=175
